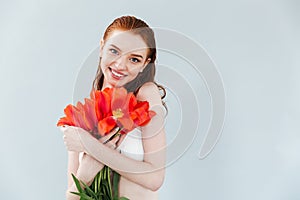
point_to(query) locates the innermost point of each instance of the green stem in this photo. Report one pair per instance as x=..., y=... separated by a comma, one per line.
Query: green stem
x=117, y=133
x=109, y=182
x=116, y=179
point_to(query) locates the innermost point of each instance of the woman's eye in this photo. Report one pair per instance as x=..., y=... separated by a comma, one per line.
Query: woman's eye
x=113, y=51
x=135, y=60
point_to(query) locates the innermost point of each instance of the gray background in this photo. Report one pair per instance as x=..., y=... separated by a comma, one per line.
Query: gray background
x=255, y=45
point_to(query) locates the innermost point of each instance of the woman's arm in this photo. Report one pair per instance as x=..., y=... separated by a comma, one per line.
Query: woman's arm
x=150, y=172
x=86, y=169
x=73, y=164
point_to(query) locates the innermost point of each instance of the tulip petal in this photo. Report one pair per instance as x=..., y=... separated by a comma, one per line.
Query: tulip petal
x=118, y=99
x=125, y=122
x=65, y=121
x=106, y=125
x=89, y=108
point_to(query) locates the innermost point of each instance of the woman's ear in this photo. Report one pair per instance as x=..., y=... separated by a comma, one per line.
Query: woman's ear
x=146, y=63
x=101, y=47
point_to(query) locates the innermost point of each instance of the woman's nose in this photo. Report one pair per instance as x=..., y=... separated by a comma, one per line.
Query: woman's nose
x=120, y=63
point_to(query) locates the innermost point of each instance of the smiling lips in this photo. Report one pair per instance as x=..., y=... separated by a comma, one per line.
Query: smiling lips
x=115, y=74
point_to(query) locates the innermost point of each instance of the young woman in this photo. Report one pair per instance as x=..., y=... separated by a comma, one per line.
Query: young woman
x=127, y=59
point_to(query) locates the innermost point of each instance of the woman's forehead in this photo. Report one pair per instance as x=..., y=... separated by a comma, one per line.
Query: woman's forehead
x=127, y=41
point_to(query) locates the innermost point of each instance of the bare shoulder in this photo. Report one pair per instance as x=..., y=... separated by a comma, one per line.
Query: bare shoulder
x=149, y=92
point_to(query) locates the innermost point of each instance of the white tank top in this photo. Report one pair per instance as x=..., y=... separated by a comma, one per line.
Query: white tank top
x=132, y=145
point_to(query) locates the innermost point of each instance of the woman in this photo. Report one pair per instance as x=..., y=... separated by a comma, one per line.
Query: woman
x=127, y=58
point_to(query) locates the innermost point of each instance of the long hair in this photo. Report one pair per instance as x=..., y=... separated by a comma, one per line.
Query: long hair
x=138, y=27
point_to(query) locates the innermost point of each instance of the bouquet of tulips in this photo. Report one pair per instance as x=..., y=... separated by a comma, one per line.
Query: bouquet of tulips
x=100, y=114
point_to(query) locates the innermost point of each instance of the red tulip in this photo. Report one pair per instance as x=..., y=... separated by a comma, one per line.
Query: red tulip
x=107, y=109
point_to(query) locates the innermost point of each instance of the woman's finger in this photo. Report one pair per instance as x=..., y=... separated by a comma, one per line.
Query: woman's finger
x=63, y=128
x=115, y=139
x=111, y=145
x=106, y=138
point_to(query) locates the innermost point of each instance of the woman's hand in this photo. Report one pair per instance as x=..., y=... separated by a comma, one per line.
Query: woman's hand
x=109, y=140
x=72, y=138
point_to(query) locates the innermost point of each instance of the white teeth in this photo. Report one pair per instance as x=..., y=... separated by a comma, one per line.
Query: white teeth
x=115, y=73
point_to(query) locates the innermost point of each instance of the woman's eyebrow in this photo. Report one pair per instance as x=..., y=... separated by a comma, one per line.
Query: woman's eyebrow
x=137, y=55
x=115, y=47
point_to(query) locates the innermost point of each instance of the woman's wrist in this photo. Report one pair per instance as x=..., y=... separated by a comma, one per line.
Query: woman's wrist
x=88, y=168
x=69, y=195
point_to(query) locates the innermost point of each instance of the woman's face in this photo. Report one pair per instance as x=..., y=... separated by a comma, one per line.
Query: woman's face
x=124, y=55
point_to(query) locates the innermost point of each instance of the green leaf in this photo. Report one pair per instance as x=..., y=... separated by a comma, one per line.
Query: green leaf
x=88, y=190
x=77, y=193
x=116, y=179
x=78, y=186
x=100, y=188
x=83, y=196
x=123, y=198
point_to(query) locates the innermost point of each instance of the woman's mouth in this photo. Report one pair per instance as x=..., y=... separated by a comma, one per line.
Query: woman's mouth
x=115, y=74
